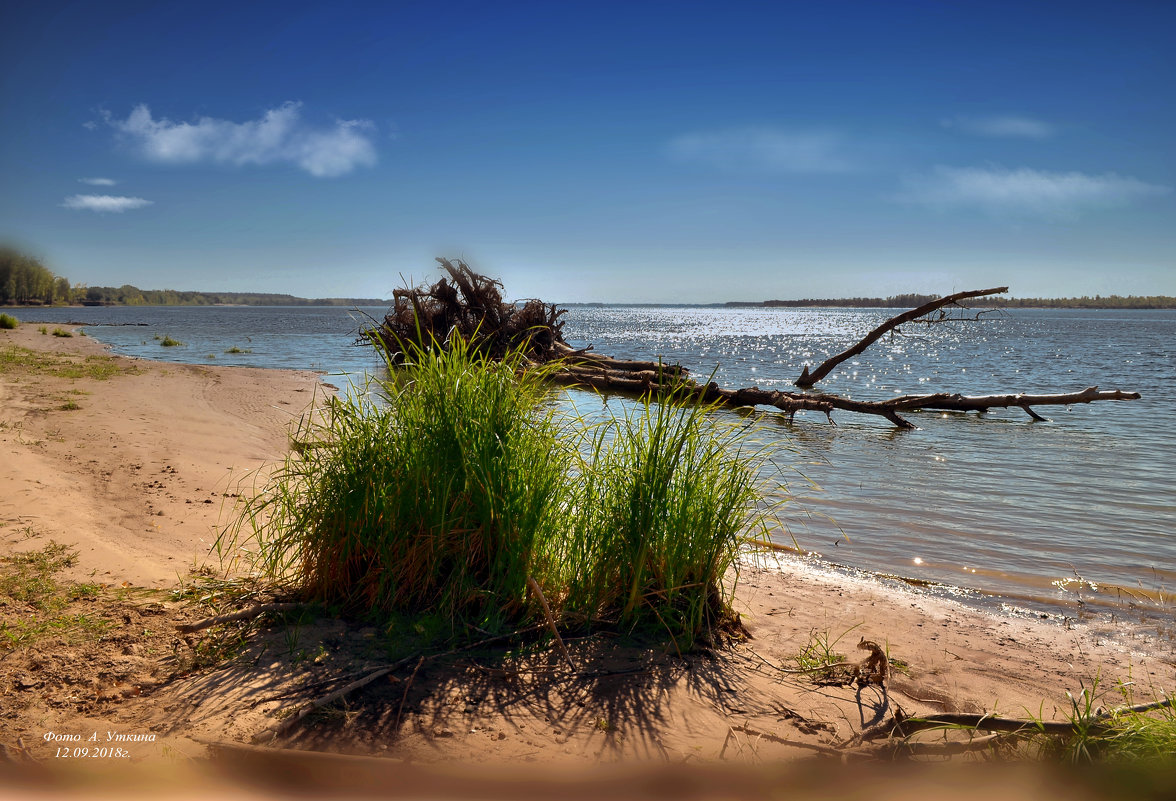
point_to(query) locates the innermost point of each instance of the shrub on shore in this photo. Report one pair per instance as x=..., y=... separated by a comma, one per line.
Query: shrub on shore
x=61, y=332
x=7, y=321
x=466, y=483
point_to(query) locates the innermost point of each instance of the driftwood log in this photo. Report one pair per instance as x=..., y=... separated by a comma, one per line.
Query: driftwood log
x=472, y=305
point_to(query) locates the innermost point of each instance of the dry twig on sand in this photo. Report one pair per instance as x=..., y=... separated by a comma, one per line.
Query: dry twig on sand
x=233, y=617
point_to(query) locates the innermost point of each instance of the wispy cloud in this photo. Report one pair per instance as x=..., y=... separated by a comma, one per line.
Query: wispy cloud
x=1001, y=126
x=1026, y=192
x=278, y=136
x=773, y=150
x=98, y=181
x=105, y=203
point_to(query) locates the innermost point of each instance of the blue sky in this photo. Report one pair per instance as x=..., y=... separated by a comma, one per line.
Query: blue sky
x=691, y=152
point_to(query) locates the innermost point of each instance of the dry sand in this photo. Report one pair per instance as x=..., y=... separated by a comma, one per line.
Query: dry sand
x=136, y=477
x=141, y=476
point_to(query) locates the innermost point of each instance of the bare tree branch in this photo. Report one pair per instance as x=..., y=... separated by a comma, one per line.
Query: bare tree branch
x=807, y=379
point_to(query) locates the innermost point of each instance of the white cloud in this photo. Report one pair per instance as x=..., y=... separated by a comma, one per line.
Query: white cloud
x=1001, y=126
x=279, y=135
x=98, y=181
x=105, y=203
x=763, y=150
x=1026, y=192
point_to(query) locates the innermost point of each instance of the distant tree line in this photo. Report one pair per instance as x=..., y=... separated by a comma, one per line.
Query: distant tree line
x=24, y=280
x=128, y=295
x=910, y=301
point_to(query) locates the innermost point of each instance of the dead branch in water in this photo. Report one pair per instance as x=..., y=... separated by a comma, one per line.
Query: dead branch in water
x=472, y=306
x=808, y=380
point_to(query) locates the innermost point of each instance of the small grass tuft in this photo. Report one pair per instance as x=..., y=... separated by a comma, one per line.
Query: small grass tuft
x=1120, y=736
x=29, y=577
x=18, y=359
x=61, y=332
x=7, y=321
x=168, y=342
x=235, y=349
x=820, y=650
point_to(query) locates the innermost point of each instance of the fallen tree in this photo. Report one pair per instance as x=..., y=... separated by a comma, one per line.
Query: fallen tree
x=472, y=305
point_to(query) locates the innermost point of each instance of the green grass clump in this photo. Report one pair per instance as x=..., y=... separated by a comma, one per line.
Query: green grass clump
x=820, y=650
x=444, y=501
x=168, y=342
x=9, y=322
x=28, y=581
x=1140, y=737
x=29, y=577
x=42, y=329
x=664, y=500
x=15, y=358
x=1120, y=735
x=235, y=349
x=61, y=332
x=437, y=502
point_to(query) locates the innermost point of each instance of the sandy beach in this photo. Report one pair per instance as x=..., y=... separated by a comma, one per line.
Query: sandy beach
x=137, y=465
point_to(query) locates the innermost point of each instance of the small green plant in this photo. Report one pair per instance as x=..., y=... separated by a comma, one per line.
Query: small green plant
x=168, y=342
x=291, y=635
x=61, y=332
x=69, y=406
x=235, y=349
x=43, y=329
x=7, y=321
x=820, y=651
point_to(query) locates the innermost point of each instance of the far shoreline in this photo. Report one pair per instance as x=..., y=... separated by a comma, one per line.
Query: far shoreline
x=1130, y=303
